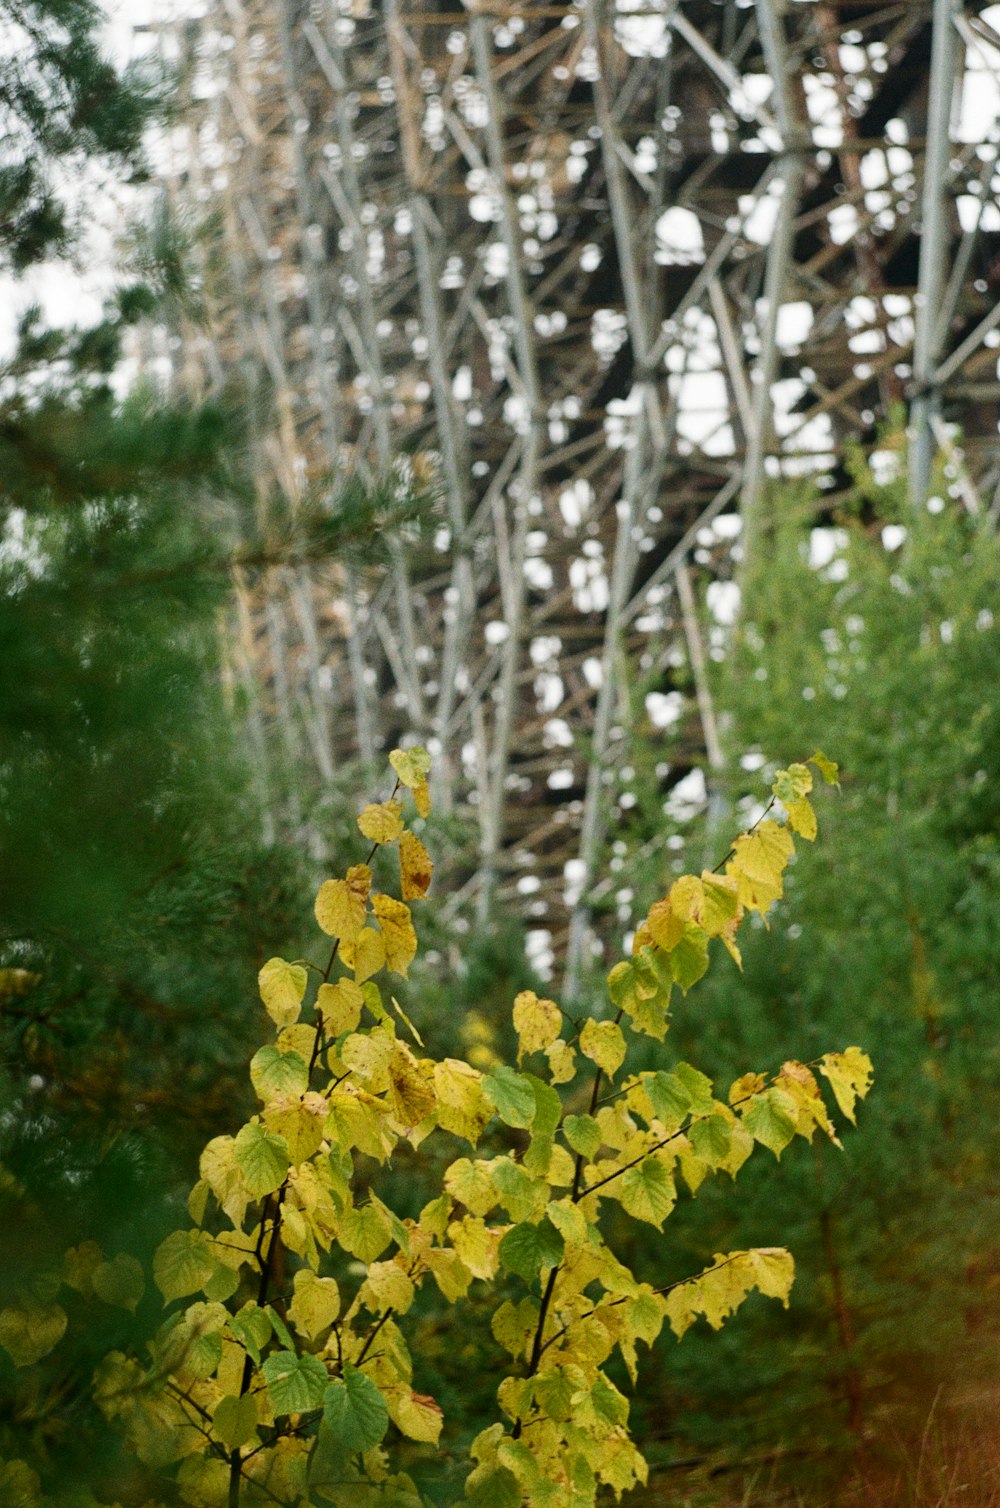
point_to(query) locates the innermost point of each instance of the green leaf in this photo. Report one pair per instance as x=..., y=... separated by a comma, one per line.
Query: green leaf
x=548, y=1107
x=200, y=1335
x=120, y=1282
x=493, y=1486
x=411, y=765
x=365, y=1233
x=273, y=1072
x=668, y=1096
x=355, y=1416
x=526, y=1249
x=280, y=1329
x=689, y=957
x=647, y=1192
x=262, y=1158
x=512, y=1096
x=641, y=987
x=252, y=1328
x=608, y=1404
x=699, y=1088
x=183, y=1264
x=770, y=1118
x=235, y=1420
x=555, y=1390
x=792, y=784
x=548, y=1110
x=295, y=1383
x=711, y=1139
x=523, y=1197
x=583, y=1134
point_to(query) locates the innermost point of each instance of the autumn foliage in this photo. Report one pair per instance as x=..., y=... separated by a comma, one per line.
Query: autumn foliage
x=282, y=1371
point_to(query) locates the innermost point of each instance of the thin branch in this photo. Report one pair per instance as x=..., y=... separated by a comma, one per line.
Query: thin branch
x=372, y=1334
x=667, y=1288
x=276, y=1201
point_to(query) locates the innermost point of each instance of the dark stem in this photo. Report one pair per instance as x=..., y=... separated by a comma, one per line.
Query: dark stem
x=272, y=1208
x=371, y=1336
x=550, y=1287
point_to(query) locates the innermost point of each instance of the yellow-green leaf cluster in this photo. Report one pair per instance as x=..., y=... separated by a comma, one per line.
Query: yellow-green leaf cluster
x=284, y=1350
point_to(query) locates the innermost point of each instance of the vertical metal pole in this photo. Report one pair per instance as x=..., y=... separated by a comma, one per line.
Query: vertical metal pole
x=776, y=273
x=528, y=486
x=926, y=404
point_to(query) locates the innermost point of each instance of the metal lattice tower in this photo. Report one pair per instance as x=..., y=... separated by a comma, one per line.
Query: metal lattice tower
x=613, y=266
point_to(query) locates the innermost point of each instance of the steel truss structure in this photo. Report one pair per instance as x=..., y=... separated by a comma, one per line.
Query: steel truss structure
x=609, y=267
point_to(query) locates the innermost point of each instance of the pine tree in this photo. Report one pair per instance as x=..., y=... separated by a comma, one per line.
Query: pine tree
x=64, y=106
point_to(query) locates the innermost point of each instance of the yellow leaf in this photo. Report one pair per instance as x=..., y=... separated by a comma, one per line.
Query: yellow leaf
x=562, y=1062
x=764, y=853
x=416, y=1415
x=382, y=822
x=79, y=1265
x=357, y=1119
x=365, y=956
x=850, y=1076
x=341, y=904
x=415, y=867
x=449, y=1271
x=720, y=902
x=747, y=1085
x=758, y=862
x=340, y=1006
x=826, y=767
x=405, y=1020
x=462, y=1107
x=791, y=784
x=398, y=936
x=603, y=1043
x=367, y=1054
x=20, y=1487
x=219, y=1170
x=470, y=1183
x=300, y=1038
x=300, y=1120
x=569, y=1221
x=422, y=798
x=315, y=1303
x=477, y=1244
x=30, y=1333
x=802, y=817
x=411, y=765
x=411, y=1095
x=514, y=1325
x=387, y=1286
x=664, y=926
x=686, y=897
x=282, y=986
x=537, y=1023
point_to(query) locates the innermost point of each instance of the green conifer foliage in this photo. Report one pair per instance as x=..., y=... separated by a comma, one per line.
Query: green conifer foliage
x=888, y=656
x=63, y=105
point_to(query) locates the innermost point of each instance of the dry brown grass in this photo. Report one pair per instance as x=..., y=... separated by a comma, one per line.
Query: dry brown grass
x=954, y=1462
